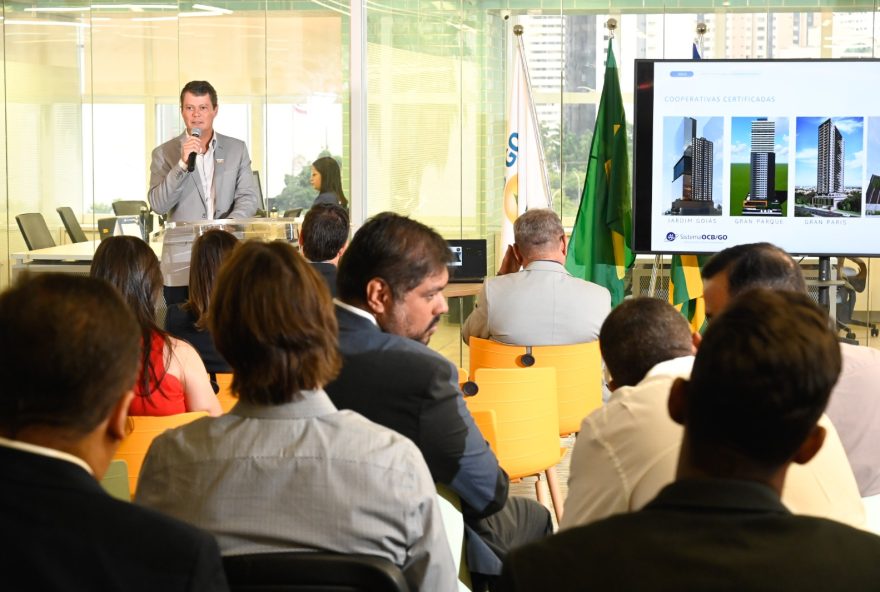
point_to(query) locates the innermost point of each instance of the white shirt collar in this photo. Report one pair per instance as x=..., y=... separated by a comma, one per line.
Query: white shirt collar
x=674, y=367
x=355, y=310
x=43, y=451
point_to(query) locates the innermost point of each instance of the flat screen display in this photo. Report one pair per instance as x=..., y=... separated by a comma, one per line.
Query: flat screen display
x=728, y=152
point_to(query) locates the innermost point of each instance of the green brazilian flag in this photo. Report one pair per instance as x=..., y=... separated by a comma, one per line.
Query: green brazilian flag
x=601, y=240
x=686, y=289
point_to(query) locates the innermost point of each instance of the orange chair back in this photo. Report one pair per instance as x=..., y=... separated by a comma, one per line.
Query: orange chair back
x=527, y=418
x=578, y=373
x=487, y=423
x=144, y=430
x=462, y=376
x=224, y=395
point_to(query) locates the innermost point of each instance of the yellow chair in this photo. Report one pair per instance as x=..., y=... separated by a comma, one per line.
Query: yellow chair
x=224, y=395
x=487, y=423
x=143, y=430
x=526, y=425
x=115, y=481
x=462, y=376
x=578, y=373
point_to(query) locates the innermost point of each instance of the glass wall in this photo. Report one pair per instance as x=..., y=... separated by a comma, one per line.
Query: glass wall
x=91, y=88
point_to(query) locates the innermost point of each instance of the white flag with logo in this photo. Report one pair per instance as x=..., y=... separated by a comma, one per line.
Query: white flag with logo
x=525, y=176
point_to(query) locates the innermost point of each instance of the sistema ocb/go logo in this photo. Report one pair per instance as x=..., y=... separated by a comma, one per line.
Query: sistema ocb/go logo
x=670, y=236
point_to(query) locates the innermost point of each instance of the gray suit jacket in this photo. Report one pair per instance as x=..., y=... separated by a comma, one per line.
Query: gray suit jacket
x=302, y=476
x=540, y=305
x=179, y=193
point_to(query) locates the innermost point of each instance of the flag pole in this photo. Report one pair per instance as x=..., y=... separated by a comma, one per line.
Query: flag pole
x=701, y=30
x=518, y=31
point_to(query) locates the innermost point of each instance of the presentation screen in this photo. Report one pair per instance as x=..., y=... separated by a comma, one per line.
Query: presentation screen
x=727, y=152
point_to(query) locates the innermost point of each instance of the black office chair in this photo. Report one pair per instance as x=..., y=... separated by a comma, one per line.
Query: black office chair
x=261, y=204
x=71, y=225
x=854, y=281
x=129, y=207
x=34, y=230
x=312, y=572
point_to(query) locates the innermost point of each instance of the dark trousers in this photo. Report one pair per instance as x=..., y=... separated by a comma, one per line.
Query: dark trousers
x=519, y=522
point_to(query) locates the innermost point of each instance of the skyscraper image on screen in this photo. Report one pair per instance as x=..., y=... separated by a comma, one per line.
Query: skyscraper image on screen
x=835, y=139
x=759, y=166
x=693, y=175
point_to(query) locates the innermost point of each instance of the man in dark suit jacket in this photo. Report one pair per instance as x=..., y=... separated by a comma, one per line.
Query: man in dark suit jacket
x=70, y=351
x=391, y=281
x=322, y=239
x=760, y=382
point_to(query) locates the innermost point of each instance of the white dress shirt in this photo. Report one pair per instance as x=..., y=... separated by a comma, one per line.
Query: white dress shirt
x=627, y=451
x=44, y=451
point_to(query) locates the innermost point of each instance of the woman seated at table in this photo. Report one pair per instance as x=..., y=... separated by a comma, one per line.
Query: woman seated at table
x=188, y=321
x=172, y=377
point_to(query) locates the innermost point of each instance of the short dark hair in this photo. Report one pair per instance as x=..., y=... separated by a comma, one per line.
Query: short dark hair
x=273, y=320
x=70, y=349
x=639, y=334
x=761, y=379
x=199, y=88
x=537, y=231
x=331, y=177
x=756, y=265
x=397, y=249
x=131, y=266
x=208, y=253
x=324, y=231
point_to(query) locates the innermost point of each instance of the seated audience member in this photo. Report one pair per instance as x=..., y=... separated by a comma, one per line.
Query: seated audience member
x=70, y=351
x=172, y=377
x=626, y=452
x=188, y=321
x=760, y=381
x=542, y=304
x=853, y=409
x=391, y=281
x=284, y=469
x=322, y=239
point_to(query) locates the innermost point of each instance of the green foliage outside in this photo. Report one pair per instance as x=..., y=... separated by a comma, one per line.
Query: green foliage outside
x=740, y=181
x=566, y=161
x=298, y=191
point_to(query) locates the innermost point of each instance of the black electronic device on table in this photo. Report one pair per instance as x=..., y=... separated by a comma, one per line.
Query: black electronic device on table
x=468, y=260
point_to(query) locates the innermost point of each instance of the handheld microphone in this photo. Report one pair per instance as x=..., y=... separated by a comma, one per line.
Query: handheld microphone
x=191, y=160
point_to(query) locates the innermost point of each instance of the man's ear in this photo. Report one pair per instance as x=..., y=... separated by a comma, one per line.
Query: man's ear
x=379, y=297
x=677, y=398
x=696, y=340
x=118, y=418
x=342, y=250
x=810, y=447
x=564, y=245
x=299, y=239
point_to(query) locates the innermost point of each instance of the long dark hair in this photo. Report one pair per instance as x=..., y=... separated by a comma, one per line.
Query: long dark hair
x=208, y=253
x=131, y=266
x=331, y=178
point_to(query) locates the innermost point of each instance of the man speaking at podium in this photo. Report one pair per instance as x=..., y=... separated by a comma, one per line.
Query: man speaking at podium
x=200, y=174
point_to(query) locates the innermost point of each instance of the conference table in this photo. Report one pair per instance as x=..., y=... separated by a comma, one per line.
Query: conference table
x=77, y=258
x=70, y=258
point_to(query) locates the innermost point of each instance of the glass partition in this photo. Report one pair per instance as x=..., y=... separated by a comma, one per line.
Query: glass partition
x=91, y=88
